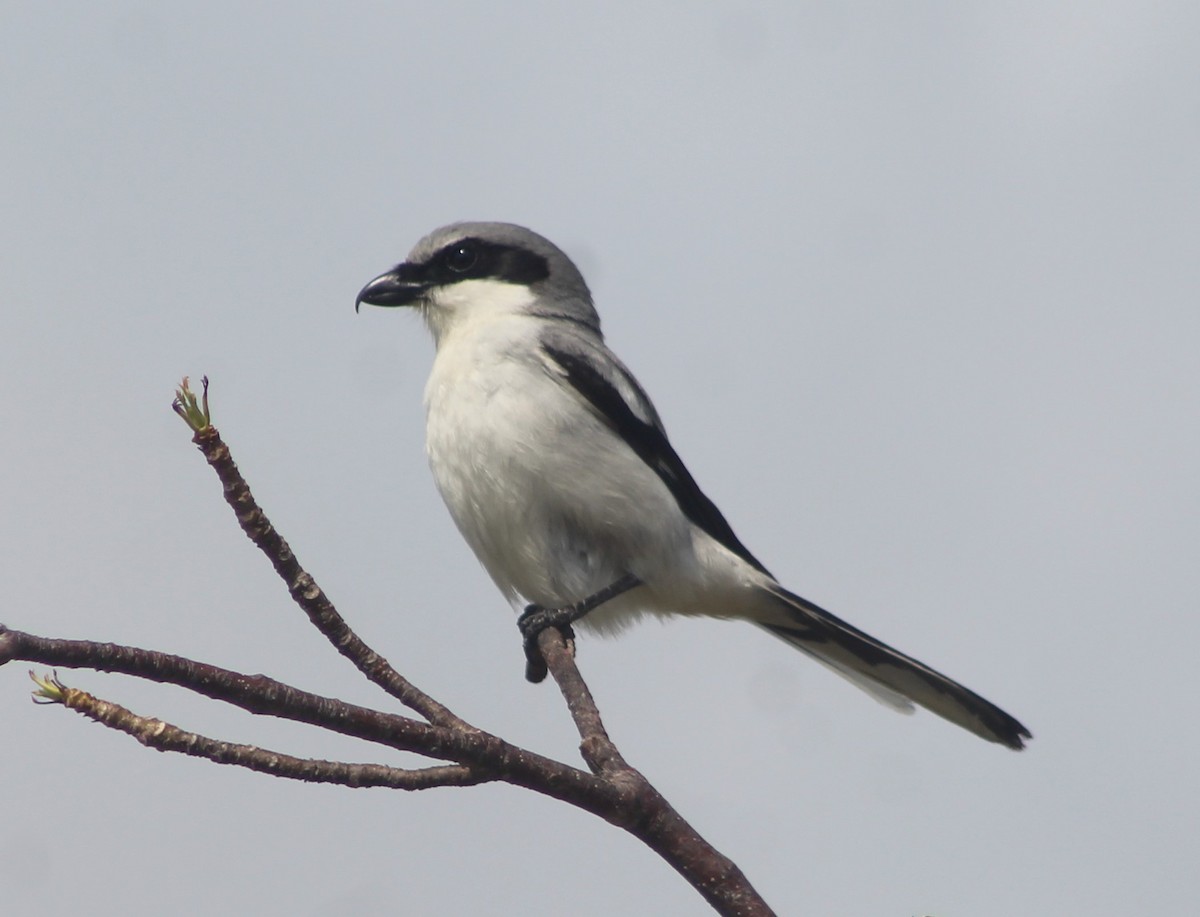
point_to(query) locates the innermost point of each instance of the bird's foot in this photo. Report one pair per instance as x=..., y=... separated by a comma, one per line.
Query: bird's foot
x=535, y=619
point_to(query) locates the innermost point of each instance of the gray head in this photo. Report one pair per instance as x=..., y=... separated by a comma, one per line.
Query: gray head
x=469, y=269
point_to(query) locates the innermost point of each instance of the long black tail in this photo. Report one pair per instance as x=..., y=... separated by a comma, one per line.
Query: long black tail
x=885, y=673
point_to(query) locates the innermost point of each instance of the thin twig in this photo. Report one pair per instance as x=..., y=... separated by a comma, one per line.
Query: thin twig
x=302, y=587
x=254, y=693
x=162, y=736
x=265, y=696
x=595, y=746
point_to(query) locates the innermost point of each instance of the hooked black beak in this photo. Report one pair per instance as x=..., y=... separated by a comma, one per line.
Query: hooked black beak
x=398, y=287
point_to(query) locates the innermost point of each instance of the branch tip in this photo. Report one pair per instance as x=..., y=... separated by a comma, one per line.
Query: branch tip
x=192, y=408
x=50, y=689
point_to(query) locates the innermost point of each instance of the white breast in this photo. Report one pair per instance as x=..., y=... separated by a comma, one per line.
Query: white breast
x=553, y=503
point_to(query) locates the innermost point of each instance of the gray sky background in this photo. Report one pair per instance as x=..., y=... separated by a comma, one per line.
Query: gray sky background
x=915, y=287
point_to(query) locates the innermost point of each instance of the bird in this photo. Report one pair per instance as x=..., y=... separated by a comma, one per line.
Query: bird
x=558, y=472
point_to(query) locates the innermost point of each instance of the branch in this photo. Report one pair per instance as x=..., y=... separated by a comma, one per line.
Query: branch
x=622, y=796
x=595, y=746
x=265, y=696
x=162, y=736
x=655, y=821
x=302, y=587
x=612, y=790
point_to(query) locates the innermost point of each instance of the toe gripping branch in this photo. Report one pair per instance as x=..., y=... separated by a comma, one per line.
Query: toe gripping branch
x=535, y=619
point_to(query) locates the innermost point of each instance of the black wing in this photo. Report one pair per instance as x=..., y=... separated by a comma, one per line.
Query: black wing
x=648, y=440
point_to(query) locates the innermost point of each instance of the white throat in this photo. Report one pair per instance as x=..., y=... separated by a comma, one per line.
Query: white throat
x=468, y=303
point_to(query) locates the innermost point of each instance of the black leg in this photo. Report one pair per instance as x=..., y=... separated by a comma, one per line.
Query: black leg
x=536, y=619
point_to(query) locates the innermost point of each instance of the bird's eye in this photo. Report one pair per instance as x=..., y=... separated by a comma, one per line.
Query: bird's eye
x=461, y=258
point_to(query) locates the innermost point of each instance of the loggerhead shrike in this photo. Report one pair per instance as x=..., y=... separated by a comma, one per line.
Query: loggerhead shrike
x=560, y=476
